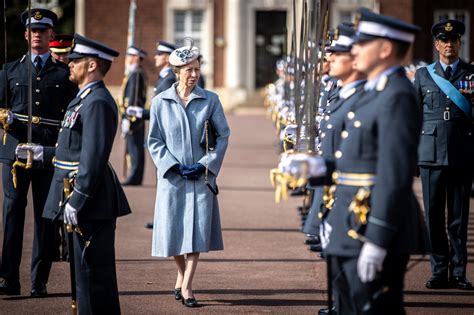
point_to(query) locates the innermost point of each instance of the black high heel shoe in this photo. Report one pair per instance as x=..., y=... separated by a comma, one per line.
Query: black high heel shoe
x=177, y=294
x=191, y=302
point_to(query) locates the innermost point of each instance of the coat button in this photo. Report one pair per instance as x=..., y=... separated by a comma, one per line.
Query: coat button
x=38, y=78
x=37, y=90
x=61, y=130
x=338, y=154
x=350, y=115
x=326, y=118
x=37, y=102
x=323, y=135
x=357, y=124
x=329, y=126
x=56, y=145
x=344, y=134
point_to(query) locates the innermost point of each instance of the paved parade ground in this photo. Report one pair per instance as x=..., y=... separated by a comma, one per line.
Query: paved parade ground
x=265, y=267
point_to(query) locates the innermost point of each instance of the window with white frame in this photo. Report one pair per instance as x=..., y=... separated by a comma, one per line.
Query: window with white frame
x=188, y=23
x=460, y=15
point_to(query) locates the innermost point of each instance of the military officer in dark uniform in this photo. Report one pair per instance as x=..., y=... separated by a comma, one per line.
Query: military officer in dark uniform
x=133, y=127
x=376, y=223
x=60, y=47
x=340, y=68
x=445, y=154
x=51, y=91
x=82, y=153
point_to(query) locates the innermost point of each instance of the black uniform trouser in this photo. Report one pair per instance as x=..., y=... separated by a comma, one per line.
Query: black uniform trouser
x=14, y=205
x=96, y=280
x=136, y=151
x=311, y=226
x=354, y=297
x=447, y=188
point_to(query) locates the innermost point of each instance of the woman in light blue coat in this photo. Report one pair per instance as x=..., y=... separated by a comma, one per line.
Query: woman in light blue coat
x=186, y=220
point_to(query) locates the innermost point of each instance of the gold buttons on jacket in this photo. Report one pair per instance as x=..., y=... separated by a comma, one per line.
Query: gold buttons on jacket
x=329, y=126
x=357, y=124
x=38, y=78
x=37, y=102
x=344, y=134
x=323, y=135
x=326, y=118
x=338, y=154
x=350, y=115
x=37, y=90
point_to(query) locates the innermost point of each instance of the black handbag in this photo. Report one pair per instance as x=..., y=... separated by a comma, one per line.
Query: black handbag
x=208, y=142
x=209, y=133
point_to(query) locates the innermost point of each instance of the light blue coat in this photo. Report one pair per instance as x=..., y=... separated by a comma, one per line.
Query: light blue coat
x=186, y=212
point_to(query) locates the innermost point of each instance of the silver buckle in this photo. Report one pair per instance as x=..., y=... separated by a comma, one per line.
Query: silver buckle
x=446, y=115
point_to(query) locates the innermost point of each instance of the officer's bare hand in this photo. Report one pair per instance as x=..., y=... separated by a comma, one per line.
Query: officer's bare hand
x=70, y=215
x=135, y=111
x=370, y=261
x=22, y=149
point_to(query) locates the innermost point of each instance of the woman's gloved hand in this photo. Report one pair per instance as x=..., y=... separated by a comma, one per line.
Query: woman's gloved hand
x=192, y=172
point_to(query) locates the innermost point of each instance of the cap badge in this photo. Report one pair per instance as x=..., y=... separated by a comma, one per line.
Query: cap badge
x=336, y=34
x=448, y=27
x=38, y=15
x=357, y=20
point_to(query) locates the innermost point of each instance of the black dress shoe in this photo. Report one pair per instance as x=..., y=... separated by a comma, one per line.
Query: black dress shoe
x=325, y=311
x=149, y=225
x=437, y=283
x=461, y=283
x=315, y=248
x=191, y=302
x=312, y=240
x=9, y=287
x=177, y=294
x=38, y=291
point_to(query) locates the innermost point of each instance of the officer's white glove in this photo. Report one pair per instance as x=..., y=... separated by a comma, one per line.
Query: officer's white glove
x=303, y=165
x=125, y=126
x=136, y=111
x=324, y=232
x=370, y=261
x=70, y=215
x=22, y=149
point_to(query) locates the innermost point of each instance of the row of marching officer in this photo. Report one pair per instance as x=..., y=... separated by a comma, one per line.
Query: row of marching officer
x=70, y=176
x=376, y=136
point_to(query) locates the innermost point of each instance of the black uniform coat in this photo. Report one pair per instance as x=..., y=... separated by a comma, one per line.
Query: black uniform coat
x=382, y=139
x=87, y=135
x=135, y=95
x=444, y=142
x=331, y=126
x=52, y=91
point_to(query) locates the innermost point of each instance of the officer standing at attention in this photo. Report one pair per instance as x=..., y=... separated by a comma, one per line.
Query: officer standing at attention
x=82, y=153
x=51, y=92
x=60, y=47
x=445, y=155
x=376, y=222
x=133, y=127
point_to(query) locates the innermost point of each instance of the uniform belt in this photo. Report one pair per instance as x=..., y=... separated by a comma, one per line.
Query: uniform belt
x=65, y=165
x=354, y=179
x=38, y=120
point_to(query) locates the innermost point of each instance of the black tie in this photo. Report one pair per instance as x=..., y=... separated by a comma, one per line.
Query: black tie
x=39, y=63
x=447, y=72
